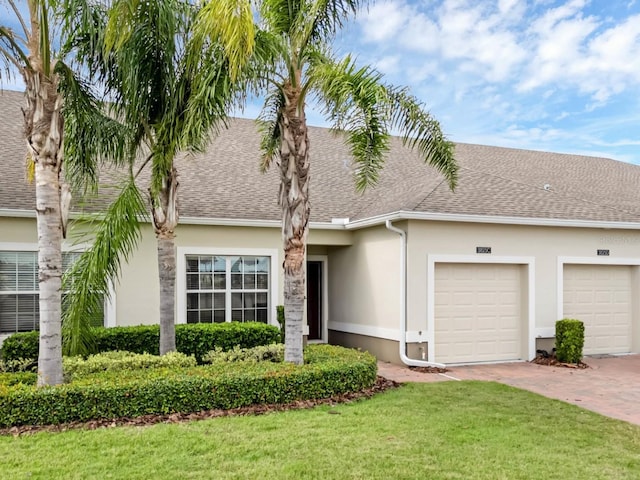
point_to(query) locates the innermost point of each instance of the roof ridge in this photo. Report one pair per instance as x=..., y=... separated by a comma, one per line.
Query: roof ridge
x=415, y=205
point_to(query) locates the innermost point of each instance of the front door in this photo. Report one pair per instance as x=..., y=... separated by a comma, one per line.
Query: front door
x=314, y=299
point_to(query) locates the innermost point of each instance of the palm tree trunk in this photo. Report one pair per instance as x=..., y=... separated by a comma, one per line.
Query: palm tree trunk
x=167, y=277
x=294, y=201
x=43, y=131
x=165, y=220
x=49, y=274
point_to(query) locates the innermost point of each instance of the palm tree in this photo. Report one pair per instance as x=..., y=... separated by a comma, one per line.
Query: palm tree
x=56, y=101
x=168, y=95
x=291, y=61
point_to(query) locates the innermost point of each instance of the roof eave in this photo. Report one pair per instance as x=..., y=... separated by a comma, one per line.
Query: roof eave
x=454, y=217
x=381, y=219
x=17, y=213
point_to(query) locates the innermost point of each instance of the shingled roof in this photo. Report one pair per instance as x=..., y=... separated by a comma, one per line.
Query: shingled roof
x=225, y=181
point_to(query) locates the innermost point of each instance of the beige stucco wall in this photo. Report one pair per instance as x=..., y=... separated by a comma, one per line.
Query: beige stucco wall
x=18, y=230
x=365, y=287
x=364, y=267
x=545, y=244
x=137, y=292
x=363, y=282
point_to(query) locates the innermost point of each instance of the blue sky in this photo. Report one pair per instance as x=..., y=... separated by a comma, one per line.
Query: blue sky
x=550, y=75
x=547, y=75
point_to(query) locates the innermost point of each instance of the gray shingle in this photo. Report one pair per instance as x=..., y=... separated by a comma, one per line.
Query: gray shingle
x=225, y=182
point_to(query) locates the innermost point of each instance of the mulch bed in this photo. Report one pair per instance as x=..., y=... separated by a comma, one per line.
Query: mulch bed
x=382, y=384
x=428, y=369
x=551, y=360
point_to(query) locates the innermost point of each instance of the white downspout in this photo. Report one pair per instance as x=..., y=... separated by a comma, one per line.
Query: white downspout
x=403, y=302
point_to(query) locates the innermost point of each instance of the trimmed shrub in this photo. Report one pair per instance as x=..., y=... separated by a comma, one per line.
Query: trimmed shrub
x=264, y=353
x=569, y=340
x=21, y=345
x=222, y=385
x=191, y=339
x=199, y=339
x=26, y=378
x=19, y=365
x=78, y=367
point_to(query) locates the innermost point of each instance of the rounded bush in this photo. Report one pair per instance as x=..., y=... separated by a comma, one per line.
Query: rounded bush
x=569, y=340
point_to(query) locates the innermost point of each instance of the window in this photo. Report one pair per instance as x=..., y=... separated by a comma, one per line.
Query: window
x=227, y=288
x=19, y=303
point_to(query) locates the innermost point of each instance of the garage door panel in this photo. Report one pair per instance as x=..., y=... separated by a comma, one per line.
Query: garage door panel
x=460, y=298
x=600, y=296
x=477, y=312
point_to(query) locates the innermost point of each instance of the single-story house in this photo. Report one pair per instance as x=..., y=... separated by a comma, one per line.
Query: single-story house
x=408, y=270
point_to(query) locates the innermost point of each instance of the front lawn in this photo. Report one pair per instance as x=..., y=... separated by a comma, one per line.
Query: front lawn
x=448, y=430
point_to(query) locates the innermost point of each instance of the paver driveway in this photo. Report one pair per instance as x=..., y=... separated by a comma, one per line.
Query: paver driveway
x=610, y=387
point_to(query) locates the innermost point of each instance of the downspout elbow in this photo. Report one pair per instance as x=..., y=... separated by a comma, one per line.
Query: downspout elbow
x=403, y=300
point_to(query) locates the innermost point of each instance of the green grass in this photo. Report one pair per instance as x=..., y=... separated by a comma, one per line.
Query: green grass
x=448, y=430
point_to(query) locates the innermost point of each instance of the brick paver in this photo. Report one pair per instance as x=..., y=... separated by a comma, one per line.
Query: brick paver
x=611, y=386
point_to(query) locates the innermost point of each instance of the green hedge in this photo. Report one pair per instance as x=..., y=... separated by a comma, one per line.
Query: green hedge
x=191, y=339
x=569, y=340
x=331, y=370
x=78, y=367
x=20, y=345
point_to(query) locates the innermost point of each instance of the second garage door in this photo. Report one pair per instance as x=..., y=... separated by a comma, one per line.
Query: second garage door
x=478, y=312
x=600, y=296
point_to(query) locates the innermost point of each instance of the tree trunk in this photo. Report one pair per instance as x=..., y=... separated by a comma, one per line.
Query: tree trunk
x=43, y=131
x=167, y=275
x=165, y=220
x=294, y=201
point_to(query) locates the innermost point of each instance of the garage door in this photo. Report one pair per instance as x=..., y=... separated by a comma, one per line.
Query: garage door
x=477, y=312
x=600, y=296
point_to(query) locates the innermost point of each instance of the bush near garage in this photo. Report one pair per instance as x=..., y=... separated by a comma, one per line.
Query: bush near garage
x=328, y=371
x=191, y=339
x=569, y=340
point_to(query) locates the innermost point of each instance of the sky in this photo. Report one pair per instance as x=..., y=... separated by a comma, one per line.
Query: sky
x=560, y=76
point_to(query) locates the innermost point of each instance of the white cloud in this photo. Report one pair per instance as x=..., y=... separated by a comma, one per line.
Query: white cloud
x=384, y=20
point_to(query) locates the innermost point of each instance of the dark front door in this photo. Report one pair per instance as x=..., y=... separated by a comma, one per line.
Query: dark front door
x=314, y=299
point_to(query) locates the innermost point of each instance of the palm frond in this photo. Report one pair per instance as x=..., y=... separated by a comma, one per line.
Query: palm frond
x=269, y=128
x=207, y=93
x=19, y=17
x=317, y=21
x=353, y=100
x=45, y=41
x=84, y=25
x=116, y=237
x=419, y=130
x=143, y=81
x=91, y=136
x=11, y=50
x=228, y=23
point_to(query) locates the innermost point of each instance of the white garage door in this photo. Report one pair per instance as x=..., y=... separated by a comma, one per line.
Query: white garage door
x=477, y=312
x=600, y=296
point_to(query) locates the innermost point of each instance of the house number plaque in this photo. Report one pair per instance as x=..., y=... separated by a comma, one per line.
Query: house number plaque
x=483, y=249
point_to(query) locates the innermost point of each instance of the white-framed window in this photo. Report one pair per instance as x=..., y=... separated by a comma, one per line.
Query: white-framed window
x=227, y=288
x=19, y=301
x=223, y=285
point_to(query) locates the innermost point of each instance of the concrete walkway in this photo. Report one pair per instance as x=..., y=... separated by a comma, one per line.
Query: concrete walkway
x=610, y=387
